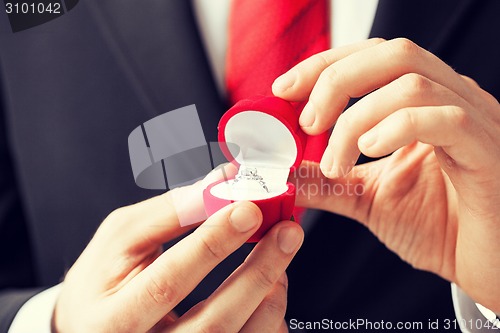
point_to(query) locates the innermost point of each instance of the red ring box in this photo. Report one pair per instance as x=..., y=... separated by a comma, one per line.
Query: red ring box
x=261, y=133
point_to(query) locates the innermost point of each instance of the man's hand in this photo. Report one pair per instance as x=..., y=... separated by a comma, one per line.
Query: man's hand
x=436, y=200
x=123, y=282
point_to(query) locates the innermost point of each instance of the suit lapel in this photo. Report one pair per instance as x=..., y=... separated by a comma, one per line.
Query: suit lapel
x=158, y=46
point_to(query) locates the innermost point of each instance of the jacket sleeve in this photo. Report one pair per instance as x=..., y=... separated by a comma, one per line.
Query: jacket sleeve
x=17, y=278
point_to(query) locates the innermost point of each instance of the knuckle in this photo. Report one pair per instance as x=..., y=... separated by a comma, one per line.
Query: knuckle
x=264, y=276
x=118, y=216
x=378, y=40
x=330, y=76
x=470, y=80
x=344, y=121
x=485, y=98
x=409, y=119
x=322, y=59
x=414, y=85
x=161, y=291
x=459, y=117
x=276, y=305
x=284, y=282
x=404, y=47
x=115, y=220
x=115, y=214
x=489, y=98
x=212, y=246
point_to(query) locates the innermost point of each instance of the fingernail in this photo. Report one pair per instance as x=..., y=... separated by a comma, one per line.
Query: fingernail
x=243, y=218
x=368, y=139
x=284, y=82
x=289, y=239
x=307, y=116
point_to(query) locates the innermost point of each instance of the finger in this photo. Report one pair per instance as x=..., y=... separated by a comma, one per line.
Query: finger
x=152, y=222
x=410, y=90
x=297, y=83
x=283, y=328
x=230, y=306
x=470, y=81
x=162, y=285
x=448, y=127
x=163, y=324
x=130, y=239
x=367, y=70
x=133, y=235
x=348, y=196
x=269, y=315
x=480, y=97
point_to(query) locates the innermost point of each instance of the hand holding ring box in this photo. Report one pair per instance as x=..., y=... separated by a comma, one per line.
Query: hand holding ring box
x=262, y=137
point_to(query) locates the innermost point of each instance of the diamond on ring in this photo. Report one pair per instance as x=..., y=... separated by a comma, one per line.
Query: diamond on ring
x=250, y=174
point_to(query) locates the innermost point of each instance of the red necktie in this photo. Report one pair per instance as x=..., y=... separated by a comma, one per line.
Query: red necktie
x=267, y=38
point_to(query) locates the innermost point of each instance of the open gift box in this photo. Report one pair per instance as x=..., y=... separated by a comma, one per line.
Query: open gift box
x=263, y=138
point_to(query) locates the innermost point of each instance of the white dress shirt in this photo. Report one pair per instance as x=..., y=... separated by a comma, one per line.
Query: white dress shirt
x=212, y=18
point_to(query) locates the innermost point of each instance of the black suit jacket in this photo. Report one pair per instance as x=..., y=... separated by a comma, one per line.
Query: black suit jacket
x=74, y=88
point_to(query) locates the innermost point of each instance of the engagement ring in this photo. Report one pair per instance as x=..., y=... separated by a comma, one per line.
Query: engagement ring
x=250, y=174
